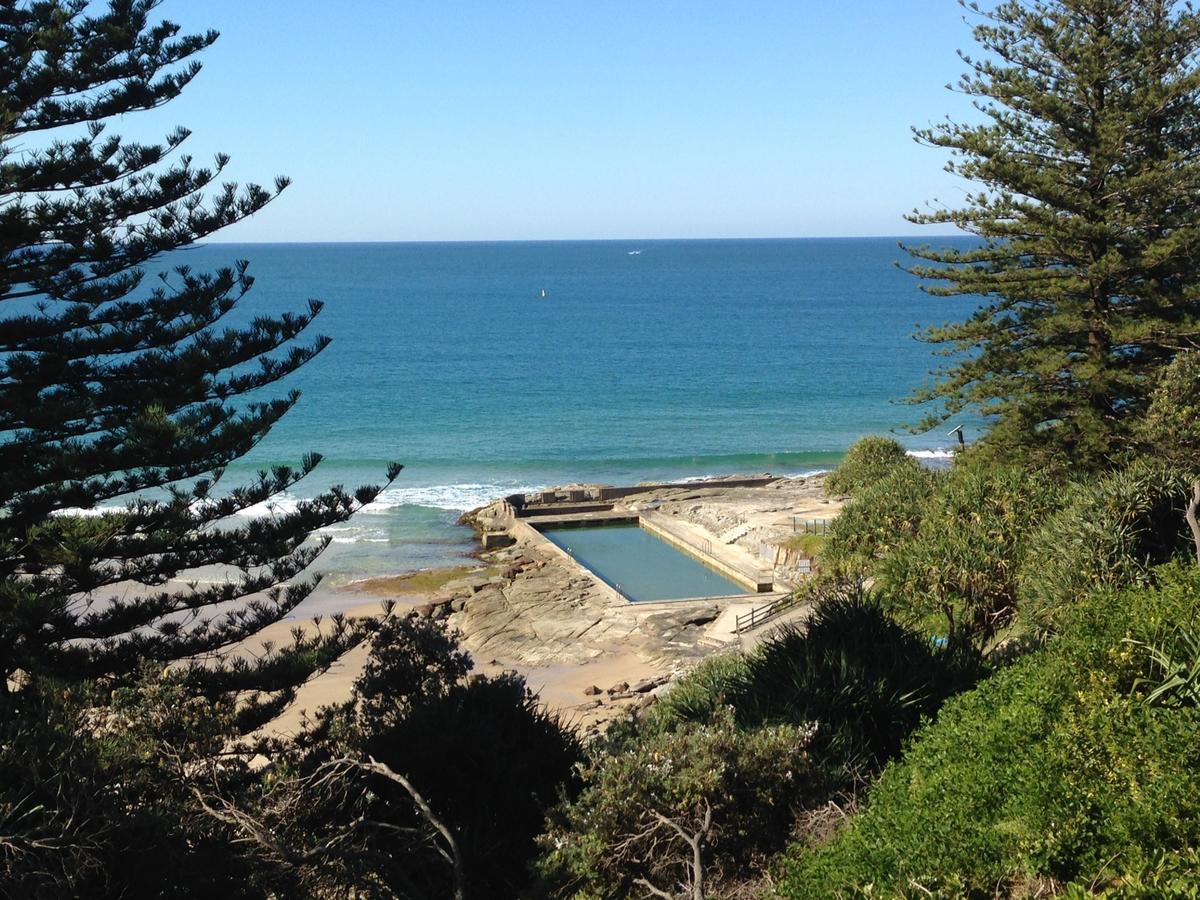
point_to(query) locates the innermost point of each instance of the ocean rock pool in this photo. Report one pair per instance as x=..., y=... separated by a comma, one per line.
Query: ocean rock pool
x=639, y=565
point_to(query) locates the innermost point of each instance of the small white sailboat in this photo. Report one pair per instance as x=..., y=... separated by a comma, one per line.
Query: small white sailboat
x=635, y=252
x=544, y=294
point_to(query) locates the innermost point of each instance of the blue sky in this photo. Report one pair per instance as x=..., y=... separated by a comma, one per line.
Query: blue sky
x=566, y=120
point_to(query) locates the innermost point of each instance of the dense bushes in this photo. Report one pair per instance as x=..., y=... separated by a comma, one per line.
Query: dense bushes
x=95, y=798
x=1110, y=533
x=736, y=793
x=1049, y=770
x=960, y=568
x=944, y=548
x=754, y=738
x=480, y=751
x=868, y=460
x=864, y=679
x=877, y=521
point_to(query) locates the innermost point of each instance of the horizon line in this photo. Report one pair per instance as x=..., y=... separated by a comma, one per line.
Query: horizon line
x=832, y=237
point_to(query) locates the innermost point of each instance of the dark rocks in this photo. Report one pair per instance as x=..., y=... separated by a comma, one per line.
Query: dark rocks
x=647, y=684
x=592, y=691
x=620, y=687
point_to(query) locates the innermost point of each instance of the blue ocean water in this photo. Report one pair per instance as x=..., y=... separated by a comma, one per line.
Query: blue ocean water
x=644, y=360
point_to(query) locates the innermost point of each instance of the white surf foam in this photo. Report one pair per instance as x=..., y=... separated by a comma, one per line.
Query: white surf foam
x=456, y=497
x=931, y=454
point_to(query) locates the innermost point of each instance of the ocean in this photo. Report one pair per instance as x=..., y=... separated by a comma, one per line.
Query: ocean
x=489, y=368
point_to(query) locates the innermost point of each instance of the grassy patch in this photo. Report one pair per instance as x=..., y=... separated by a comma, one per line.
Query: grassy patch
x=808, y=544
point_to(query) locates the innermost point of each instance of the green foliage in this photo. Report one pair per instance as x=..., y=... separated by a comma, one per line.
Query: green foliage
x=113, y=387
x=697, y=697
x=1174, y=663
x=862, y=678
x=412, y=663
x=480, y=750
x=808, y=544
x=750, y=783
x=95, y=801
x=865, y=680
x=1173, y=875
x=867, y=461
x=1054, y=768
x=754, y=738
x=961, y=565
x=878, y=520
x=1110, y=533
x=1171, y=429
x=1085, y=163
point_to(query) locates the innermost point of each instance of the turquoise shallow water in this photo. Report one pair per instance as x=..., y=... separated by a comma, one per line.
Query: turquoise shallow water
x=639, y=565
x=684, y=359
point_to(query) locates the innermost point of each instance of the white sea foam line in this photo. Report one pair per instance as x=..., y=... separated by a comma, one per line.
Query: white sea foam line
x=458, y=497
x=932, y=454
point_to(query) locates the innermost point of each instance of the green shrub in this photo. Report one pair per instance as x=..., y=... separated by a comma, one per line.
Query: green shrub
x=1052, y=769
x=960, y=568
x=487, y=759
x=616, y=833
x=697, y=697
x=95, y=799
x=1170, y=430
x=867, y=461
x=1109, y=534
x=877, y=521
x=863, y=678
x=1173, y=875
x=808, y=544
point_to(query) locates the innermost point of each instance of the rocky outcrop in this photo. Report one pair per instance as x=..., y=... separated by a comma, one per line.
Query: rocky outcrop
x=533, y=607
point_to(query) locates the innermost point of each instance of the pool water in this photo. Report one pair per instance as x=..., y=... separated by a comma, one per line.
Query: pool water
x=641, y=566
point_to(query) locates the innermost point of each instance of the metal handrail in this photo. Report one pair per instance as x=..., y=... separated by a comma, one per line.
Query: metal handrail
x=760, y=615
x=810, y=526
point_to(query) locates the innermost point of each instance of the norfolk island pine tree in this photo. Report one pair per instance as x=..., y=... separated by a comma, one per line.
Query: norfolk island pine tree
x=112, y=387
x=1087, y=163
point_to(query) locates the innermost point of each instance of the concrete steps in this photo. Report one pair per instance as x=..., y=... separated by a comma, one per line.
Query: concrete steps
x=734, y=534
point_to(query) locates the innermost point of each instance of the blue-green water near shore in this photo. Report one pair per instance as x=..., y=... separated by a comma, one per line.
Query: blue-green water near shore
x=644, y=360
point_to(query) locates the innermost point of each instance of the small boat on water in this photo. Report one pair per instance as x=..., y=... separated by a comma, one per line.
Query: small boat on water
x=544, y=294
x=635, y=252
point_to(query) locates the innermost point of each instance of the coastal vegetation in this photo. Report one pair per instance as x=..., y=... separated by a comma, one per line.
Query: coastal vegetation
x=996, y=691
x=1042, y=593
x=1081, y=170
x=131, y=686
